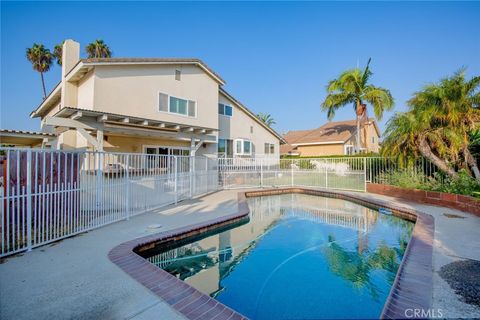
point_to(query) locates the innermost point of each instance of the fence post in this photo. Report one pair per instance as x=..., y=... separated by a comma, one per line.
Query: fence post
x=127, y=177
x=291, y=171
x=365, y=174
x=261, y=173
x=29, y=199
x=326, y=174
x=175, y=178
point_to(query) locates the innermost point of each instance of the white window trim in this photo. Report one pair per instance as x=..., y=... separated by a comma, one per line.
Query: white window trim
x=242, y=144
x=346, y=146
x=269, y=148
x=174, y=113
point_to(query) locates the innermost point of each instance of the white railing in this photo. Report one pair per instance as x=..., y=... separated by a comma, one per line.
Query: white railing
x=47, y=195
x=328, y=173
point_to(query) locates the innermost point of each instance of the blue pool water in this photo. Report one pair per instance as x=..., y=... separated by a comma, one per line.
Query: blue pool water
x=299, y=257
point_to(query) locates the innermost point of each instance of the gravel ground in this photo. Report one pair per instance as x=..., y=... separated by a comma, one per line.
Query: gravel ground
x=464, y=277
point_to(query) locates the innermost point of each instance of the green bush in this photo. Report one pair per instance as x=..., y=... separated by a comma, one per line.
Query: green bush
x=409, y=179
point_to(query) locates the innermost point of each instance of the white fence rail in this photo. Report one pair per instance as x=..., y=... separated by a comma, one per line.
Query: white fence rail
x=329, y=173
x=48, y=195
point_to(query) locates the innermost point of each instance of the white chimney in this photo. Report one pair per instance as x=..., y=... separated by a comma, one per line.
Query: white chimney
x=70, y=56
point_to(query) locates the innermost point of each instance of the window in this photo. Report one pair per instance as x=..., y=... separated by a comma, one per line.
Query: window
x=243, y=147
x=269, y=148
x=251, y=129
x=247, y=147
x=171, y=104
x=225, y=147
x=178, y=74
x=349, y=149
x=225, y=110
x=163, y=102
x=373, y=139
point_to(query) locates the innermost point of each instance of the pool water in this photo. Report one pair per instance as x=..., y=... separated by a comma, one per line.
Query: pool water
x=298, y=257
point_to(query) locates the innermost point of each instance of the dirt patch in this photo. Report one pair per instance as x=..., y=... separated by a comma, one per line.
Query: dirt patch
x=464, y=277
x=454, y=216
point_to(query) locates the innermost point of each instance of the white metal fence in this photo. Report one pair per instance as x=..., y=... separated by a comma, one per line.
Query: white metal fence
x=47, y=195
x=329, y=173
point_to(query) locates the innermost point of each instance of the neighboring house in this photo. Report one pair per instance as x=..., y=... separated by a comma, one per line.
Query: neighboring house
x=28, y=139
x=333, y=138
x=155, y=106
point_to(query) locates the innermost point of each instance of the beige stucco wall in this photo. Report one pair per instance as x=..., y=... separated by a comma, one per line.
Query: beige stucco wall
x=238, y=126
x=85, y=96
x=371, y=132
x=321, y=150
x=137, y=144
x=133, y=90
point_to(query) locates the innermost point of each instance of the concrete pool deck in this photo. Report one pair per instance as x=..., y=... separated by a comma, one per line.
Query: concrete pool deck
x=75, y=279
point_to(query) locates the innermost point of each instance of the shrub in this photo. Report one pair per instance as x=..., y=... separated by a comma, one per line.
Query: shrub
x=408, y=178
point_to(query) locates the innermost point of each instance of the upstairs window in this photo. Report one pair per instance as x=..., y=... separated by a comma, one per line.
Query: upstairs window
x=176, y=105
x=225, y=110
x=178, y=75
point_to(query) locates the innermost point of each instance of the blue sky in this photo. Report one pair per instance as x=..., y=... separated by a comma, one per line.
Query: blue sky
x=276, y=57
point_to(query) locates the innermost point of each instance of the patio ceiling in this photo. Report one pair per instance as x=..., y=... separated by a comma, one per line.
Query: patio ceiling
x=126, y=125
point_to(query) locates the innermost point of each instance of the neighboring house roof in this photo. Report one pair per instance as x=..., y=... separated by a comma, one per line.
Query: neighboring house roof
x=252, y=115
x=21, y=137
x=337, y=132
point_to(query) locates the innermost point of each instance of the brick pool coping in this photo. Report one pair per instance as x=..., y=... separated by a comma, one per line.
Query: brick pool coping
x=412, y=288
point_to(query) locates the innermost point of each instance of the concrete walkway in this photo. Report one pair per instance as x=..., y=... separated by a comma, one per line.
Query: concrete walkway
x=73, y=278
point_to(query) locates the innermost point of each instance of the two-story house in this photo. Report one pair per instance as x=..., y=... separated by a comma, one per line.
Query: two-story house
x=154, y=106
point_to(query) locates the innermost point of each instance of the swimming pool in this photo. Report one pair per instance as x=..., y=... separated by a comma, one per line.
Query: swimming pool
x=299, y=256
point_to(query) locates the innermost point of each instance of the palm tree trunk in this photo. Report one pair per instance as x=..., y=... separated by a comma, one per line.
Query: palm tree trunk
x=426, y=151
x=358, y=134
x=43, y=86
x=471, y=162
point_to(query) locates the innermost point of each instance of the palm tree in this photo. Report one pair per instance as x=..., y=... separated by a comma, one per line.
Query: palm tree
x=408, y=135
x=452, y=106
x=352, y=87
x=266, y=118
x=41, y=60
x=57, y=52
x=439, y=125
x=98, y=49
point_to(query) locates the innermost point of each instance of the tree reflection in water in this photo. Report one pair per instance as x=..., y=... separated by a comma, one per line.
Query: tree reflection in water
x=356, y=267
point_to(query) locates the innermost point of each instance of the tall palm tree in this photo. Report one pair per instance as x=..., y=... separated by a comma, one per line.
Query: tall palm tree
x=98, y=49
x=353, y=87
x=58, y=52
x=41, y=60
x=266, y=118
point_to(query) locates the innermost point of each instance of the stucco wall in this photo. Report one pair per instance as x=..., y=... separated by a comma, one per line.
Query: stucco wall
x=321, y=150
x=238, y=126
x=85, y=96
x=133, y=90
x=136, y=144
